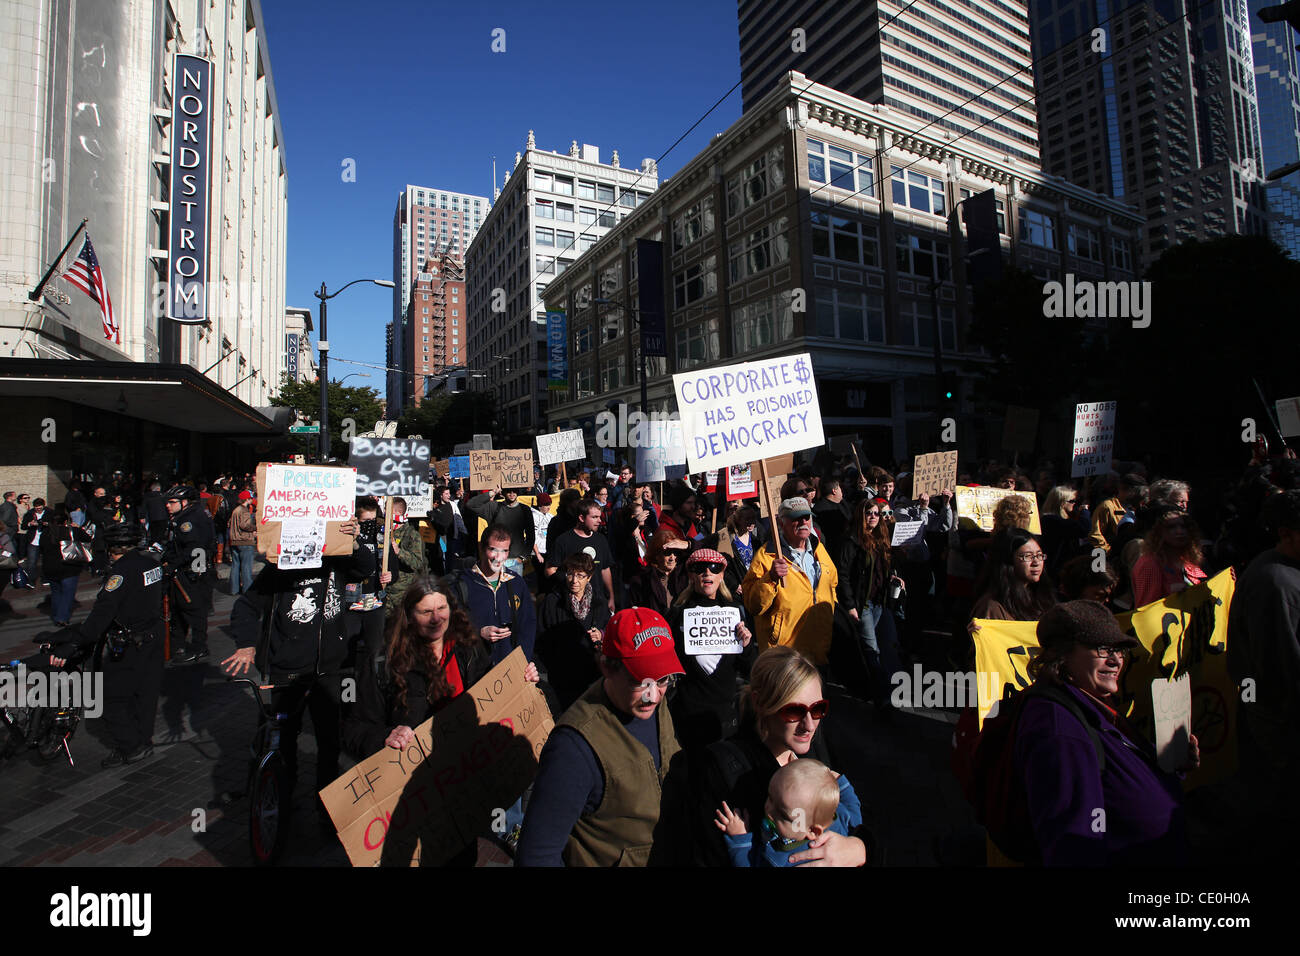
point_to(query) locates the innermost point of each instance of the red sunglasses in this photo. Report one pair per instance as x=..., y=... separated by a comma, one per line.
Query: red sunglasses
x=793, y=713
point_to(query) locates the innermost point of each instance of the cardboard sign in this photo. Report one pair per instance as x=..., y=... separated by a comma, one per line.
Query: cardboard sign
x=481, y=443
x=1020, y=429
x=711, y=630
x=733, y=413
x=390, y=466
x=908, y=532
x=1288, y=417
x=442, y=467
x=428, y=802
x=288, y=492
x=461, y=449
x=650, y=464
x=458, y=466
x=742, y=482
x=1094, y=439
x=934, y=472
x=556, y=447
x=1171, y=706
x=504, y=467
x=976, y=504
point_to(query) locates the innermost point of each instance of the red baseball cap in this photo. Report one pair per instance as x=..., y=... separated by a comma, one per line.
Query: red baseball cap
x=643, y=641
x=705, y=556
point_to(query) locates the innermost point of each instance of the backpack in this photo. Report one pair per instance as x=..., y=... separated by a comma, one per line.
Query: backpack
x=983, y=760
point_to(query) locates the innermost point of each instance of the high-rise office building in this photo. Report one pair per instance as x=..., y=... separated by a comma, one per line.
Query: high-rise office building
x=1277, y=90
x=435, y=323
x=1154, y=104
x=427, y=224
x=958, y=65
x=551, y=209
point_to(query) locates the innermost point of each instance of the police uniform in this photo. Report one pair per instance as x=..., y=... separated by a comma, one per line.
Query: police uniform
x=129, y=609
x=191, y=531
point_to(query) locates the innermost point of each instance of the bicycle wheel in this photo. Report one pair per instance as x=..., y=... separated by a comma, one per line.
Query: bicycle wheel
x=63, y=726
x=269, y=802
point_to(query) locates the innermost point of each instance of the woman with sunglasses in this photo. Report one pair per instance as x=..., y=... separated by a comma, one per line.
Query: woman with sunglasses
x=704, y=705
x=664, y=576
x=781, y=712
x=1081, y=762
x=864, y=584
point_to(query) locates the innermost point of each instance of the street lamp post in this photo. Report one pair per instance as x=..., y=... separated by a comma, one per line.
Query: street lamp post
x=323, y=346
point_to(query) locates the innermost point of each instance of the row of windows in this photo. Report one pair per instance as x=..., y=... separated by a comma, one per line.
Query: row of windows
x=762, y=177
x=842, y=168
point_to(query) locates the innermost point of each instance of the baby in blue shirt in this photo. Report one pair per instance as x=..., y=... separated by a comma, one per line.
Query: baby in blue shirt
x=804, y=800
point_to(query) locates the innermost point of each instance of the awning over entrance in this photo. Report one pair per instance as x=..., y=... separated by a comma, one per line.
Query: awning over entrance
x=173, y=395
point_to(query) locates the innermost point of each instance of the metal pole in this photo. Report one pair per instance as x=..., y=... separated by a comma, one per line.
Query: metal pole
x=938, y=347
x=35, y=294
x=324, y=347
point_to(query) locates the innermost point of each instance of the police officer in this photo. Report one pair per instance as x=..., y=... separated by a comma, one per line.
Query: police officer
x=129, y=610
x=189, y=555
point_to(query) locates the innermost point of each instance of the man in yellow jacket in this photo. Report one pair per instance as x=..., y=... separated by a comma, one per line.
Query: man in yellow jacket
x=791, y=596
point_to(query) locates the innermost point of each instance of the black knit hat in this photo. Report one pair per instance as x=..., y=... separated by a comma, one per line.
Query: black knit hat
x=1081, y=622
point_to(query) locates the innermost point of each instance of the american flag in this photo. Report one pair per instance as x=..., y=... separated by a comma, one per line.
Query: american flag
x=87, y=276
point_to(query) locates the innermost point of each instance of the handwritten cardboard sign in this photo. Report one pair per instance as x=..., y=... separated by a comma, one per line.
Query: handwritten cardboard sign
x=428, y=802
x=1171, y=706
x=711, y=630
x=390, y=466
x=976, y=504
x=555, y=447
x=303, y=492
x=502, y=467
x=934, y=472
x=442, y=467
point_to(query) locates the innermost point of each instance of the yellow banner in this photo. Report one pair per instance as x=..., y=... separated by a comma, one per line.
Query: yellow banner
x=1186, y=633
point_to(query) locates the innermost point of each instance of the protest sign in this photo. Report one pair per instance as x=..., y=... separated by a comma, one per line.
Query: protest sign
x=731, y=413
x=711, y=480
x=933, y=473
x=650, y=464
x=976, y=504
x=443, y=467
x=842, y=444
x=908, y=532
x=428, y=802
x=1171, y=707
x=301, y=542
x=503, y=468
x=742, y=482
x=664, y=451
x=417, y=506
x=1020, y=429
x=1288, y=417
x=481, y=443
x=458, y=466
x=461, y=449
x=390, y=466
x=289, y=492
x=607, y=456
x=1094, y=438
x=1185, y=633
x=711, y=630
x=555, y=447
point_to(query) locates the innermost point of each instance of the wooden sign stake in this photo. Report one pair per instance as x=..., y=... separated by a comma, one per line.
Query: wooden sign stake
x=388, y=524
x=776, y=529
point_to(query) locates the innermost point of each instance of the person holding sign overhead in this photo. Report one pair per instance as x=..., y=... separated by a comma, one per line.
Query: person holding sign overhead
x=510, y=514
x=716, y=649
x=791, y=592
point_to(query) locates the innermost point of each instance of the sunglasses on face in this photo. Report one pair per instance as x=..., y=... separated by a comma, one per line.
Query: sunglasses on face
x=713, y=567
x=793, y=713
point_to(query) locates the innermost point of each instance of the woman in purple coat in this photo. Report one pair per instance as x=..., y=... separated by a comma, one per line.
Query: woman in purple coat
x=1095, y=794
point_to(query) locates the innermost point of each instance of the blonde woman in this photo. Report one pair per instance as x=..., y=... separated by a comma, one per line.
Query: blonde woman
x=1065, y=533
x=781, y=711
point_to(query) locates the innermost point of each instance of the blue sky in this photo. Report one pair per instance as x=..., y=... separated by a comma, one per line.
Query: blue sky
x=411, y=90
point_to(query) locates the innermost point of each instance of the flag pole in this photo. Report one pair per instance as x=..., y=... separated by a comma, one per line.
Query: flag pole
x=35, y=294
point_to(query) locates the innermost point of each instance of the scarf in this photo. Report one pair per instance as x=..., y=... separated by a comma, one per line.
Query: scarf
x=581, y=606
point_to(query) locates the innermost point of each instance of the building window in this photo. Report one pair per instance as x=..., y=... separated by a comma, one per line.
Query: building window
x=695, y=282
x=583, y=382
x=545, y=209
x=1121, y=255
x=1001, y=211
x=581, y=340
x=546, y=237
x=845, y=314
x=755, y=182
x=564, y=212
x=916, y=326
x=761, y=249
x=841, y=168
x=846, y=240
x=697, y=344
x=543, y=181
x=695, y=222
x=627, y=198
x=1083, y=242
x=604, y=192
x=919, y=256
x=606, y=218
x=585, y=243
x=762, y=324
x=586, y=189
x=917, y=191
x=1037, y=228
x=564, y=185
x=613, y=373
x=587, y=215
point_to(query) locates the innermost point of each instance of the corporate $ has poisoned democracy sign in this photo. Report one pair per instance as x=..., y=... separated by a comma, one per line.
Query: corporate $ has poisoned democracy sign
x=737, y=413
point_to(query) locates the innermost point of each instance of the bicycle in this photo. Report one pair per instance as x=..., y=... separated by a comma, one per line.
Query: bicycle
x=45, y=729
x=270, y=785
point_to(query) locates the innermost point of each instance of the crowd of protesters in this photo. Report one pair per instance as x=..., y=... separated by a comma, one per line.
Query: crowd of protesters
x=665, y=755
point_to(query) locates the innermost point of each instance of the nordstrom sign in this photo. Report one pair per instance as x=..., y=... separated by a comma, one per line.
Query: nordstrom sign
x=187, y=262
